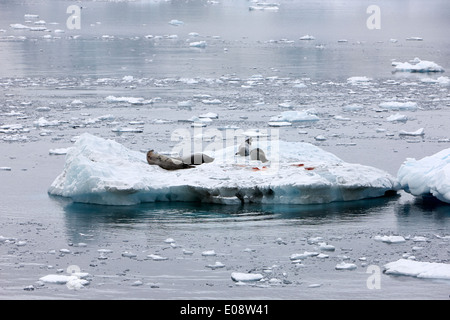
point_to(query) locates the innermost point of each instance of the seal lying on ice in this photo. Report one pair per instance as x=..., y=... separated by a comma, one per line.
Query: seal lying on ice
x=258, y=154
x=196, y=159
x=186, y=162
x=165, y=162
x=244, y=148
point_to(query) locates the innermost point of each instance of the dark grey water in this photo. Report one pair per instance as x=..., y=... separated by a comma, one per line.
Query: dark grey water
x=52, y=69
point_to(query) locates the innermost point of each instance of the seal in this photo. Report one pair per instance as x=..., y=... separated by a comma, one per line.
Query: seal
x=165, y=162
x=258, y=154
x=244, y=148
x=196, y=159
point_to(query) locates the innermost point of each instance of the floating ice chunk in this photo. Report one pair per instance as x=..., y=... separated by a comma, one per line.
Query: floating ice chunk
x=414, y=39
x=156, y=257
x=425, y=270
x=58, y=152
x=175, y=22
x=5, y=169
x=245, y=277
x=345, y=266
x=397, y=118
x=128, y=130
x=418, y=66
x=42, y=122
x=418, y=132
x=198, y=44
x=390, y=239
x=279, y=124
x=19, y=26
x=208, y=253
x=358, y=80
x=57, y=278
x=326, y=247
x=210, y=115
x=185, y=104
x=307, y=37
x=211, y=101
x=396, y=105
x=131, y=100
x=296, y=116
x=105, y=172
x=428, y=176
x=216, y=265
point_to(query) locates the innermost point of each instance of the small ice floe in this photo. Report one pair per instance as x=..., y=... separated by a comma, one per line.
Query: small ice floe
x=345, y=266
x=417, y=65
x=74, y=281
x=320, y=138
x=156, y=257
x=30, y=16
x=397, y=105
x=176, y=23
x=128, y=254
x=418, y=132
x=187, y=252
x=209, y=253
x=19, y=26
x=42, y=122
x=397, y=118
x=246, y=277
x=296, y=116
x=427, y=176
x=209, y=115
x=390, y=239
x=279, y=124
x=211, y=101
x=5, y=168
x=169, y=240
x=414, y=39
x=307, y=37
x=302, y=256
x=260, y=6
x=198, y=44
x=341, y=118
x=185, y=104
x=130, y=100
x=326, y=247
x=58, y=152
x=216, y=265
x=358, y=80
x=424, y=270
x=127, y=130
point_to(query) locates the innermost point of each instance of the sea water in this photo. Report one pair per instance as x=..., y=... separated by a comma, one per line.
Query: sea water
x=54, y=86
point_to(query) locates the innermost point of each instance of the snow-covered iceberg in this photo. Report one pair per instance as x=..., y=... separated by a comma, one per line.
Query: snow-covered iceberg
x=427, y=176
x=105, y=172
x=425, y=270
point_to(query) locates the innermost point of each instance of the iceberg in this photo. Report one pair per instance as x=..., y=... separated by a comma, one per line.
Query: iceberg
x=418, y=65
x=427, y=176
x=424, y=270
x=101, y=171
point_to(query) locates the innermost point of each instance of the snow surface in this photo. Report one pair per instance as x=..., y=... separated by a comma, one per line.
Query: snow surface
x=105, y=172
x=428, y=176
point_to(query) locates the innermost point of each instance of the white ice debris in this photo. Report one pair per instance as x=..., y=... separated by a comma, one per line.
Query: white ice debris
x=296, y=116
x=417, y=65
x=428, y=176
x=418, y=132
x=345, y=266
x=397, y=118
x=198, y=44
x=358, y=80
x=425, y=270
x=397, y=105
x=245, y=277
x=390, y=239
x=307, y=37
x=105, y=172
